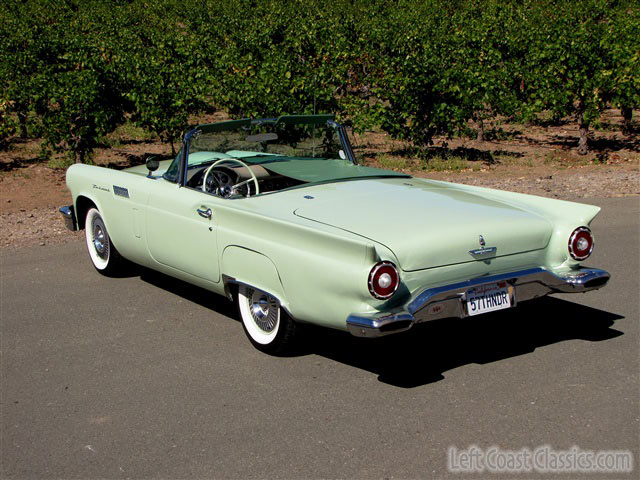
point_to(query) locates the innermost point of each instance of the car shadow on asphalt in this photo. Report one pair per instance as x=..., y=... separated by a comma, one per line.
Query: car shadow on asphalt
x=422, y=354
x=194, y=294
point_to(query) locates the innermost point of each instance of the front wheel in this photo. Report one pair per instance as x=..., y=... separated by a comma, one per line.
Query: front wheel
x=103, y=254
x=269, y=328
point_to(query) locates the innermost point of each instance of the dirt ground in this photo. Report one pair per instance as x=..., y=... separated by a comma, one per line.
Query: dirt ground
x=540, y=160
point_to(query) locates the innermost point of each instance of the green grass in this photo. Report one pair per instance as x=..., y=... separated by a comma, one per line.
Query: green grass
x=444, y=163
x=59, y=162
x=392, y=163
x=511, y=160
x=557, y=159
x=552, y=158
x=129, y=130
x=125, y=133
x=437, y=163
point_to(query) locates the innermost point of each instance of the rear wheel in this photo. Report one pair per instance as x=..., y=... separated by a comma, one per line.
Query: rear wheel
x=103, y=254
x=269, y=328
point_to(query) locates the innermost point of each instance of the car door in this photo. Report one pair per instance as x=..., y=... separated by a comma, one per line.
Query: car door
x=181, y=229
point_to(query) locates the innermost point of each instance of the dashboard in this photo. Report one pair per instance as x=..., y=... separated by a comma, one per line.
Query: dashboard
x=230, y=180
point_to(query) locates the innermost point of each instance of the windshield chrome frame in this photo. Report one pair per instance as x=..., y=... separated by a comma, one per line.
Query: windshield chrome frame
x=344, y=140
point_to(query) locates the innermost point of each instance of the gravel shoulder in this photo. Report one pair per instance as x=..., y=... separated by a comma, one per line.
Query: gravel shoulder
x=38, y=226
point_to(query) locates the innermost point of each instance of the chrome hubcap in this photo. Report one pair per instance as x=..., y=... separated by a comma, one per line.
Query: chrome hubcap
x=264, y=309
x=99, y=241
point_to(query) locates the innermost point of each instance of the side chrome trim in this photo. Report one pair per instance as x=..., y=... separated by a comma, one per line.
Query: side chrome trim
x=449, y=300
x=68, y=214
x=121, y=191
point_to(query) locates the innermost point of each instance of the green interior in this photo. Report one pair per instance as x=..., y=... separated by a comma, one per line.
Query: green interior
x=304, y=169
x=317, y=170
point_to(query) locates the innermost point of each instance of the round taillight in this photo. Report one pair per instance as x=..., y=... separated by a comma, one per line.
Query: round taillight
x=580, y=243
x=383, y=280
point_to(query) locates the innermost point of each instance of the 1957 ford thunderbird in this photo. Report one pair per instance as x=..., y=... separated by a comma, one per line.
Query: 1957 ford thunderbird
x=277, y=215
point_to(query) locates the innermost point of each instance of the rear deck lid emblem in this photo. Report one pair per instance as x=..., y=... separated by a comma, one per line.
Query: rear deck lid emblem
x=483, y=251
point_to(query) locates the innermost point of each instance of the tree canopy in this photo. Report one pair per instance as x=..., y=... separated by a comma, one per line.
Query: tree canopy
x=72, y=71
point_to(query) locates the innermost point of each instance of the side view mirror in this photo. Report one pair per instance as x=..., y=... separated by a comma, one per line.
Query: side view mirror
x=152, y=165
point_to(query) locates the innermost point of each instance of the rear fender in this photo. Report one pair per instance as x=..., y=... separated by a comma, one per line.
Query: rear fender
x=565, y=216
x=243, y=266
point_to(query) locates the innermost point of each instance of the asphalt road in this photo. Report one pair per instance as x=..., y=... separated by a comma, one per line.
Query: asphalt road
x=145, y=377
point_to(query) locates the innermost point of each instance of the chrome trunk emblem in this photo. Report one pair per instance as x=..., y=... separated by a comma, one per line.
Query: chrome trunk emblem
x=483, y=250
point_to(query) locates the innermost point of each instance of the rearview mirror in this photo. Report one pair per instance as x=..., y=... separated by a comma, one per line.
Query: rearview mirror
x=262, y=137
x=152, y=165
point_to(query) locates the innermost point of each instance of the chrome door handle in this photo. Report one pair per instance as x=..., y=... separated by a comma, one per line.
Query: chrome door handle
x=206, y=213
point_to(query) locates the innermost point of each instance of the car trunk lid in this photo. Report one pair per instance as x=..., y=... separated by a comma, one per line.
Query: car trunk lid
x=427, y=224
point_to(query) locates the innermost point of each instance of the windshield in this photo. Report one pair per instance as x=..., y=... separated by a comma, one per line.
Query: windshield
x=304, y=148
x=255, y=139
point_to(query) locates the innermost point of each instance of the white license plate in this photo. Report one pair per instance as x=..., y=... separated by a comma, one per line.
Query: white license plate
x=489, y=298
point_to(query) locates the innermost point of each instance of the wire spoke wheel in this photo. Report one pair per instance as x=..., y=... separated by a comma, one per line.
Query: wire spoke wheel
x=264, y=309
x=100, y=240
x=267, y=325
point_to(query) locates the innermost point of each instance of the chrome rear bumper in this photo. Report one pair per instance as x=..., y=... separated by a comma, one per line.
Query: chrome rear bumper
x=449, y=300
x=69, y=217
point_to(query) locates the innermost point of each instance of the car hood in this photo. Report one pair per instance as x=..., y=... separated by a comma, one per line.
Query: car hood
x=426, y=224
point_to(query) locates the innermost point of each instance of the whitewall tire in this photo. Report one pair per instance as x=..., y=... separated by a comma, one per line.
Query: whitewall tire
x=269, y=328
x=103, y=254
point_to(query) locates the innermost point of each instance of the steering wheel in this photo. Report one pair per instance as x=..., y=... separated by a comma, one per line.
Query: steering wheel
x=226, y=190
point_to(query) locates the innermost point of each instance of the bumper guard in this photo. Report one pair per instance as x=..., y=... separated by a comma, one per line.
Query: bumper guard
x=68, y=214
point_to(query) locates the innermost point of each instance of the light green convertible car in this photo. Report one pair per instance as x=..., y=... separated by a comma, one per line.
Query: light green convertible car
x=277, y=215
